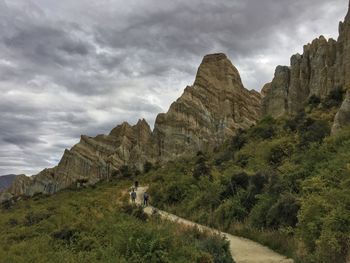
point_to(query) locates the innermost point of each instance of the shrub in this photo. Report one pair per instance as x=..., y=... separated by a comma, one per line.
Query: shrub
x=218, y=247
x=34, y=218
x=201, y=169
x=147, y=167
x=283, y=212
x=230, y=210
x=7, y=204
x=257, y=216
x=139, y=213
x=239, y=140
x=240, y=180
x=314, y=131
x=174, y=193
x=66, y=234
x=242, y=159
x=265, y=129
x=314, y=100
x=334, y=98
x=278, y=153
x=12, y=222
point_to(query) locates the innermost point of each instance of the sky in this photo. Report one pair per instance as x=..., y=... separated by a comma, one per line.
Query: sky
x=81, y=67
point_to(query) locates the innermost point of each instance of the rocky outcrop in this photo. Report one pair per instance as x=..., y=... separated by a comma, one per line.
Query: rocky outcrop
x=207, y=113
x=91, y=160
x=342, y=118
x=275, y=100
x=323, y=67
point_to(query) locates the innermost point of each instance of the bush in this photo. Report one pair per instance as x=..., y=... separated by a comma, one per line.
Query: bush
x=174, y=193
x=218, y=247
x=201, y=169
x=334, y=98
x=229, y=211
x=283, y=213
x=12, y=222
x=278, y=153
x=66, y=234
x=239, y=140
x=34, y=218
x=265, y=129
x=242, y=159
x=314, y=100
x=240, y=180
x=257, y=216
x=147, y=167
x=314, y=131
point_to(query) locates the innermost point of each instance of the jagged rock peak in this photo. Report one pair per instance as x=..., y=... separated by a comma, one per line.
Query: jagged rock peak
x=214, y=57
x=216, y=73
x=324, y=66
x=207, y=113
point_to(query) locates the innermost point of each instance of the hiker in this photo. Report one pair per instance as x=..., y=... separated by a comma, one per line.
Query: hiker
x=133, y=196
x=145, y=199
x=136, y=185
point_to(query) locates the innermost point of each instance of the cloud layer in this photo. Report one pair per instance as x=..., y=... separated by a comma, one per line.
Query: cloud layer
x=81, y=67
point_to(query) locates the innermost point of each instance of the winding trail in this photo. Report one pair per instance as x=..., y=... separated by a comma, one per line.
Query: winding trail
x=242, y=250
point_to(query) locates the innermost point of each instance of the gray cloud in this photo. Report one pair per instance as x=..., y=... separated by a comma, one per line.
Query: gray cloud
x=81, y=67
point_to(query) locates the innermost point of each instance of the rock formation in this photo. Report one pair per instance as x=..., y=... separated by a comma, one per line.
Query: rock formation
x=207, y=113
x=323, y=66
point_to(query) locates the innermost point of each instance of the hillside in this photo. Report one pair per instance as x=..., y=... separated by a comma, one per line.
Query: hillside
x=97, y=224
x=284, y=183
x=272, y=166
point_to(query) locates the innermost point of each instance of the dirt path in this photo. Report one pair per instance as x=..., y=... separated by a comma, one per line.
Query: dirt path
x=242, y=250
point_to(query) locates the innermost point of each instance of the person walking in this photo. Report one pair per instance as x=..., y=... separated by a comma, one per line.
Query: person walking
x=136, y=185
x=145, y=198
x=133, y=196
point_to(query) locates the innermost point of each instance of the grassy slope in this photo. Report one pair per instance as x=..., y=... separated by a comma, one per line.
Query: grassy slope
x=284, y=183
x=97, y=225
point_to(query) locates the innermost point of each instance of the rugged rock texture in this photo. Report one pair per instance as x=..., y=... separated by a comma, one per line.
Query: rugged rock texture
x=342, y=118
x=206, y=114
x=6, y=181
x=323, y=66
x=91, y=160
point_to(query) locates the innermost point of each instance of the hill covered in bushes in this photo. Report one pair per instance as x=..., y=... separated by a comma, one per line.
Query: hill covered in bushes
x=284, y=182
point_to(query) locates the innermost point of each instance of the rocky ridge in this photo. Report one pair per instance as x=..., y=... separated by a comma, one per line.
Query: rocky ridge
x=324, y=66
x=206, y=114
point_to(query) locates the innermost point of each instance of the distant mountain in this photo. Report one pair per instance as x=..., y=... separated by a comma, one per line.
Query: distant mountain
x=6, y=181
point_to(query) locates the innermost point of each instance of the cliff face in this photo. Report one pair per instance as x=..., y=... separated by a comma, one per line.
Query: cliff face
x=342, y=118
x=207, y=113
x=323, y=67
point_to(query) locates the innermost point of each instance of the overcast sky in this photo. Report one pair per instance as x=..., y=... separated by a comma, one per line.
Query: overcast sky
x=72, y=67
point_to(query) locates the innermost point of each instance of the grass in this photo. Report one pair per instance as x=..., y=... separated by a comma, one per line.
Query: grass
x=97, y=224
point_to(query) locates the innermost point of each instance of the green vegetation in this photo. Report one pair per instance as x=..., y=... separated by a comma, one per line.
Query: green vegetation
x=284, y=183
x=97, y=224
